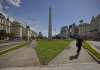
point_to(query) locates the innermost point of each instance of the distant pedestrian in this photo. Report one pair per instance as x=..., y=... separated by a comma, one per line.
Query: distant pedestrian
x=79, y=44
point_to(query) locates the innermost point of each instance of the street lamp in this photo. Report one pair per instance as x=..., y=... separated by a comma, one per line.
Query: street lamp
x=81, y=21
x=26, y=31
x=85, y=31
x=55, y=32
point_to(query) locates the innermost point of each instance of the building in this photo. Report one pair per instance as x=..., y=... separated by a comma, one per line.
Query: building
x=16, y=29
x=34, y=34
x=4, y=23
x=73, y=30
x=26, y=32
x=95, y=27
x=64, y=32
x=84, y=30
x=70, y=31
x=29, y=33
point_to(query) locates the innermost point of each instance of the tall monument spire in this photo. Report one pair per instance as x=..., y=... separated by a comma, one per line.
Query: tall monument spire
x=50, y=24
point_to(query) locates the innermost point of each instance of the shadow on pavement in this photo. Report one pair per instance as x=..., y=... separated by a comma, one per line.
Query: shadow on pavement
x=74, y=57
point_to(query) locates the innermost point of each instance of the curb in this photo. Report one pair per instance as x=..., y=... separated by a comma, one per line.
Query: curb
x=98, y=60
x=10, y=48
x=93, y=48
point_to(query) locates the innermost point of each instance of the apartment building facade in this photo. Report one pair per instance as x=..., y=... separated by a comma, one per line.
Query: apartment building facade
x=4, y=23
x=16, y=29
x=64, y=32
x=28, y=33
x=84, y=30
x=95, y=27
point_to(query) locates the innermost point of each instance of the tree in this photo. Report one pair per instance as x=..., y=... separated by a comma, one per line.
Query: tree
x=3, y=34
x=56, y=37
x=32, y=37
x=24, y=37
x=10, y=35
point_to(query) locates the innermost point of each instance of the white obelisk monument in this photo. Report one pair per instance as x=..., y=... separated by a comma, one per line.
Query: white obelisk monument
x=50, y=24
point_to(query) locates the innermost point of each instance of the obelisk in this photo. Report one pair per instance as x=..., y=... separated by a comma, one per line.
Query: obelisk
x=50, y=24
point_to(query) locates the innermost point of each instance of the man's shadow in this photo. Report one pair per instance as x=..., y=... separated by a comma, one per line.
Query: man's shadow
x=74, y=57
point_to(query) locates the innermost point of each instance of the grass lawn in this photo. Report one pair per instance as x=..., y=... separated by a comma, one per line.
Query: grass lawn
x=16, y=47
x=88, y=47
x=47, y=50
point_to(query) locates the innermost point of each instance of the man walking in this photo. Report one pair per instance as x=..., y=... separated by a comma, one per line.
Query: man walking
x=79, y=44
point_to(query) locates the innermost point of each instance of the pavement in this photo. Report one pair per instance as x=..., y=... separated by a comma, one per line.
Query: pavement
x=25, y=56
x=69, y=55
x=66, y=60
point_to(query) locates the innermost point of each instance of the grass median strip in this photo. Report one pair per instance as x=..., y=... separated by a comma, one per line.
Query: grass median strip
x=16, y=47
x=88, y=47
x=47, y=50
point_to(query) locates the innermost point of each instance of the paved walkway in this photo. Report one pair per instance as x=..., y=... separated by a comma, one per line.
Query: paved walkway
x=69, y=55
x=89, y=66
x=25, y=56
x=66, y=60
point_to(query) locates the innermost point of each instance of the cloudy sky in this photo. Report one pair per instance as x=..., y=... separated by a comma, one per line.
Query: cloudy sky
x=64, y=12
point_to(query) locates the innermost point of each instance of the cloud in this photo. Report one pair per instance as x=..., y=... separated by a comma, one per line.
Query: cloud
x=1, y=7
x=1, y=11
x=38, y=21
x=6, y=7
x=45, y=33
x=14, y=2
x=35, y=29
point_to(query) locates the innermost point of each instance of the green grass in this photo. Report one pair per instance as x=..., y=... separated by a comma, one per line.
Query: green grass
x=47, y=50
x=88, y=47
x=16, y=47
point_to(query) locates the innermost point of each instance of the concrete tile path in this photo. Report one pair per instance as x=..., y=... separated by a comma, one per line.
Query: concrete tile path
x=69, y=55
x=25, y=56
x=88, y=66
x=66, y=60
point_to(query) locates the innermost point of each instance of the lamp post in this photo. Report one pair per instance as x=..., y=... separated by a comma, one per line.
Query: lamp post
x=85, y=31
x=81, y=21
x=55, y=32
x=26, y=31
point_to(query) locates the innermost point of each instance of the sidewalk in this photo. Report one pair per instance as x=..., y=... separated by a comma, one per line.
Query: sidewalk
x=69, y=55
x=25, y=56
x=91, y=66
x=66, y=60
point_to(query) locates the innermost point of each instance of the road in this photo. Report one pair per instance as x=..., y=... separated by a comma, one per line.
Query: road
x=9, y=45
x=95, y=44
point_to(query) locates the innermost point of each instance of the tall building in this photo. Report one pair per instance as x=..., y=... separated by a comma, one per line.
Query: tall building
x=95, y=27
x=84, y=30
x=26, y=32
x=16, y=29
x=4, y=23
x=70, y=31
x=34, y=34
x=50, y=24
x=73, y=31
x=64, y=32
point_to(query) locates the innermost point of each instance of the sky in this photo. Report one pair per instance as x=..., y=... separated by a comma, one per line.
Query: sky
x=36, y=12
